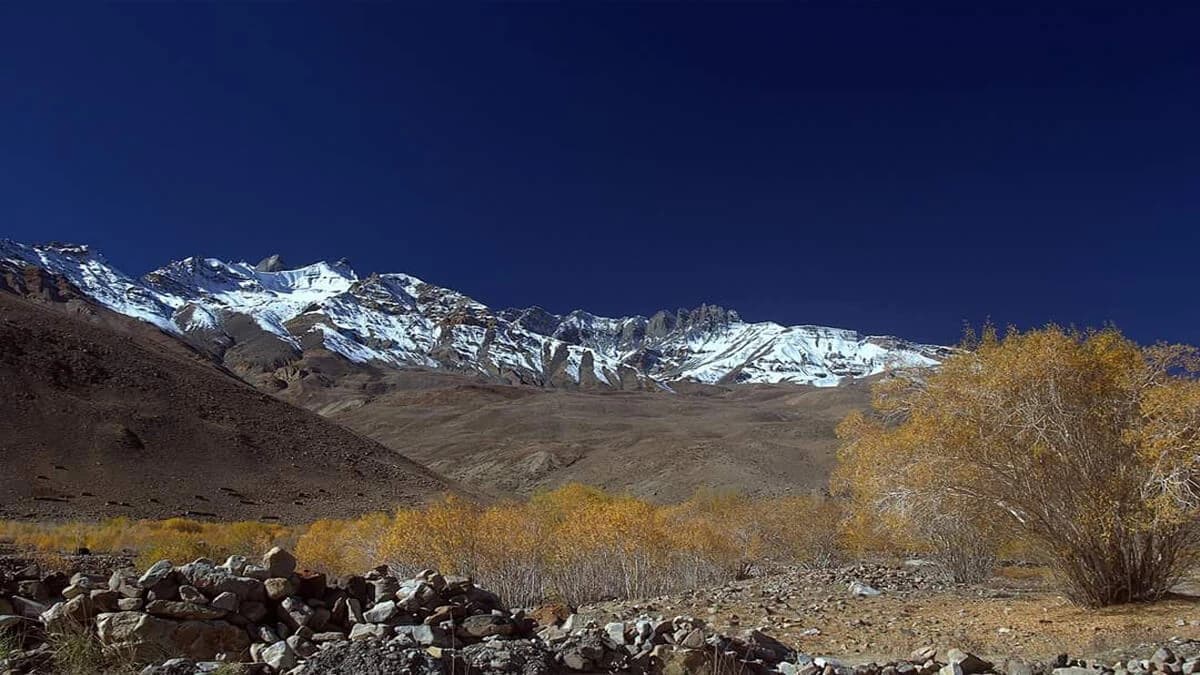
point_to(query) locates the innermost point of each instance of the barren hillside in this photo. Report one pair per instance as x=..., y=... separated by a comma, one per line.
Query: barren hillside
x=758, y=439
x=103, y=416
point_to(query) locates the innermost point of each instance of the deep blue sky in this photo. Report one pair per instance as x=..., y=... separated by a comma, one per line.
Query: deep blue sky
x=881, y=169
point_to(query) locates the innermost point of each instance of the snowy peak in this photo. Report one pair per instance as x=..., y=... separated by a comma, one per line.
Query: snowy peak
x=272, y=263
x=397, y=320
x=88, y=271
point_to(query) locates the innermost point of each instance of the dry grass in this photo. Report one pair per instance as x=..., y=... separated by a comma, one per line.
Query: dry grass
x=175, y=539
x=77, y=651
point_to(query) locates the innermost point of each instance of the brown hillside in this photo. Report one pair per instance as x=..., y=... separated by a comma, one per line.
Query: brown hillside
x=765, y=440
x=103, y=416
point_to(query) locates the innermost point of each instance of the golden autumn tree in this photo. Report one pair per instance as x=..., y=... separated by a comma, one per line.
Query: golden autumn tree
x=1083, y=445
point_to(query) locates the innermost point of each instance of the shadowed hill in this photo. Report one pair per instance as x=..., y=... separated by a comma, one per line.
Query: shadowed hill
x=104, y=416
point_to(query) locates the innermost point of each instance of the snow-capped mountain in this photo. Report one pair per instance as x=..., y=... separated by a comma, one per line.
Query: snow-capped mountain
x=270, y=315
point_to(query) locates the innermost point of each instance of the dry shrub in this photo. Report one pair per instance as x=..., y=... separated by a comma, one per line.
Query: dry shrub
x=578, y=543
x=575, y=543
x=175, y=539
x=348, y=546
x=1083, y=444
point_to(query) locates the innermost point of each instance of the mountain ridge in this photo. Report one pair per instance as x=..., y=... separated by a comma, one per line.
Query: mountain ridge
x=279, y=314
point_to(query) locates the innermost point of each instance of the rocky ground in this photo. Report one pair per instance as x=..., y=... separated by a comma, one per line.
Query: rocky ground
x=270, y=617
x=1017, y=613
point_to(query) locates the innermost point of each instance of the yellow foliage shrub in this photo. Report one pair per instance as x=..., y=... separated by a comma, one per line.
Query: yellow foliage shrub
x=1081, y=446
x=176, y=539
x=575, y=543
x=578, y=543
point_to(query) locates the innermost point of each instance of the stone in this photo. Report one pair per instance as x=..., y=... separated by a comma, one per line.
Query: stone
x=330, y=636
x=425, y=635
x=125, y=583
x=369, y=631
x=55, y=582
x=354, y=613
x=319, y=619
x=279, y=656
x=206, y=639
x=253, y=611
x=382, y=612
x=1015, y=666
x=212, y=580
x=63, y=615
x=615, y=632
x=227, y=601
x=923, y=654
x=278, y=588
x=1072, y=670
x=356, y=586
x=235, y=565
x=694, y=639
x=192, y=594
x=971, y=664
x=310, y=584
x=30, y=609
x=35, y=590
x=28, y=573
x=1163, y=656
x=279, y=563
x=104, y=600
x=385, y=587
x=487, y=625
x=861, y=590
x=301, y=646
x=256, y=572
x=955, y=669
x=552, y=634
x=685, y=662
x=759, y=645
x=446, y=613
x=183, y=610
x=143, y=636
x=156, y=573
x=551, y=614
x=265, y=634
x=166, y=589
x=294, y=613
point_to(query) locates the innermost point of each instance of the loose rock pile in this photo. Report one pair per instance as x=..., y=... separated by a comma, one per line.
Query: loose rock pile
x=268, y=618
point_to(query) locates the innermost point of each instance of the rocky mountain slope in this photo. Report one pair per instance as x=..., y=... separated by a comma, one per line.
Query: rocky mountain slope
x=264, y=320
x=104, y=416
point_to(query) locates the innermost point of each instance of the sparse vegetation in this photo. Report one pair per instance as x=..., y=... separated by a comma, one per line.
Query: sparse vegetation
x=1083, y=445
x=151, y=540
x=575, y=543
x=77, y=651
x=579, y=543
